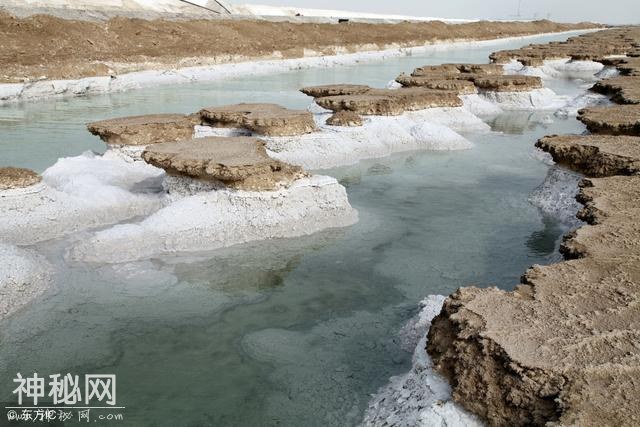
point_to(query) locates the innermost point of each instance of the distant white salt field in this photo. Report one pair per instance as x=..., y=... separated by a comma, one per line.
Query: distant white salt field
x=108, y=8
x=197, y=8
x=283, y=11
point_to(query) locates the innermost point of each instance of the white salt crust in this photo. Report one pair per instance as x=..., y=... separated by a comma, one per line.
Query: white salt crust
x=24, y=275
x=558, y=69
x=420, y=397
x=215, y=219
x=556, y=196
x=78, y=193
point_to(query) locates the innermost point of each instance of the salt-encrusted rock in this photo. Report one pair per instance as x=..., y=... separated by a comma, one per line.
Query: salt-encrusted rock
x=238, y=162
x=435, y=69
x=345, y=118
x=389, y=102
x=144, y=130
x=629, y=66
x=560, y=348
x=610, y=206
x=622, y=89
x=11, y=178
x=615, y=120
x=586, y=47
x=262, y=119
x=23, y=276
x=479, y=69
x=334, y=90
x=595, y=155
x=454, y=85
x=365, y=100
x=612, y=209
x=508, y=83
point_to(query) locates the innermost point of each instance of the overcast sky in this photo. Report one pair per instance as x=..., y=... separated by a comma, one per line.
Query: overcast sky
x=606, y=11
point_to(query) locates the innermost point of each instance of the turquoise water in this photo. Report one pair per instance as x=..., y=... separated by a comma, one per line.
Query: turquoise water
x=296, y=332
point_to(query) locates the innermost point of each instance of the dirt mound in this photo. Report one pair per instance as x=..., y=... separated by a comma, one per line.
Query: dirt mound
x=465, y=78
x=588, y=47
x=334, y=90
x=462, y=68
x=617, y=120
x=508, y=83
x=449, y=84
x=595, y=155
x=263, y=119
x=144, y=130
x=238, y=162
x=11, y=178
x=622, y=89
x=345, y=118
x=364, y=100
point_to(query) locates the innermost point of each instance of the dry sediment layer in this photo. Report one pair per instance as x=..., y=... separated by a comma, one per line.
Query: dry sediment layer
x=595, y=155
x=563, y=348
x=382, y=102
x=345, y=118
x=621, y=89
x=616, y=120
x=508, y=83
x=335, y=90
x=461, y=87
x=464, y=78
x=11, y=178
x=629, y=66
x=263, y=119
x=144, y=130
x=462, y=68
x=46, y=47
x=588, y=47
x=237, y=162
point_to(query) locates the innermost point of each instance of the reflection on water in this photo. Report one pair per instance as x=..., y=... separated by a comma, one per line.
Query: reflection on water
x=287, y=332
x=519, y=122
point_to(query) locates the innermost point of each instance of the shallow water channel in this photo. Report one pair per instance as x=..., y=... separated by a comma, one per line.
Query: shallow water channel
x=295, y=332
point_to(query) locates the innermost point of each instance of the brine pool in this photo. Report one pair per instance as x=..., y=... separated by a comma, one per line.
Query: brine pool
x=295, y=332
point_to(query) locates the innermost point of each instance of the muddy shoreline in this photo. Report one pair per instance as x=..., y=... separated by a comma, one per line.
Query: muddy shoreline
x=562, y=348
x=76, y=49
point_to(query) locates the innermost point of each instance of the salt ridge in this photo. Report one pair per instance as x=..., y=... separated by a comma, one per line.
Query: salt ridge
x=32, y=91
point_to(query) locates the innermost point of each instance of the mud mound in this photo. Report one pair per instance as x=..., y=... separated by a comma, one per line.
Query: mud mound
x=618, y=120
x=144, y=130
x=389, y=102
x=598, y=156
x=263, y=119
x=622, y=89
x=345, y=118
x=11, y=178
x=508, y=83
x=239, y=162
